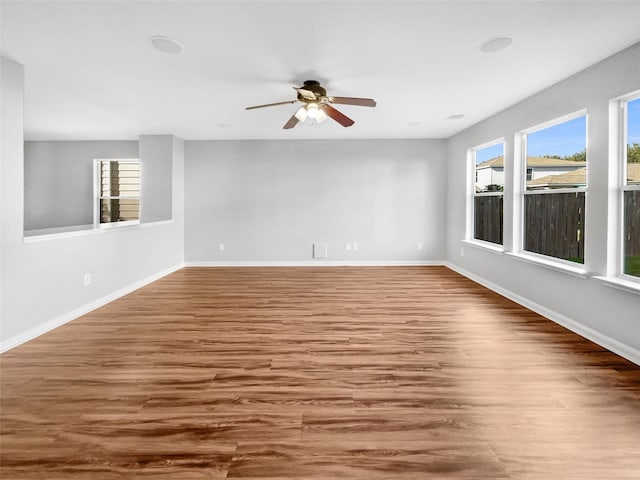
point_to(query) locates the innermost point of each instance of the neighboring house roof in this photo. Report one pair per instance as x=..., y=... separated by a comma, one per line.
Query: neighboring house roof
x=633, y=173
x=552, y=162
x=493, y=162
x=579, y=177
x=574, y=178
x=532, y=162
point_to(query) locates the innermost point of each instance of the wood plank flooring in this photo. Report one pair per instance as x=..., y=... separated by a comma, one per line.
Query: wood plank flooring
x=317, y=373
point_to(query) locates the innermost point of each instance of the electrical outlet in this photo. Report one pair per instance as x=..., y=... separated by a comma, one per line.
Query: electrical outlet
x=461, y=252
x=347, y=246
x=221, y=247
x=419, y=245
x=87, y=279
x=355, y=246
x=320, y=250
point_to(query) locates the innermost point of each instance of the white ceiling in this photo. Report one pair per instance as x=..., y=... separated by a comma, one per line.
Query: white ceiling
x=91, y=72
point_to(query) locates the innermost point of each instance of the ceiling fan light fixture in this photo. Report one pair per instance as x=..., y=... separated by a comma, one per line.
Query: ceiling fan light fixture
x=301, y=114
x=312, y=110
x=321, y=116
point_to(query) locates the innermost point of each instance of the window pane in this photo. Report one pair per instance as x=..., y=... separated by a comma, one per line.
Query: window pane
x=119, y=210
x=488, y=213
x=489, y=168
x=556, y=156
x=554, y=225
x=633, y=142
x=632, y=233
x=489, y=177
x=119, y=179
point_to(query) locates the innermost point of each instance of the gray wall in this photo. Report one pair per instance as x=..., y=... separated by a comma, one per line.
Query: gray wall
x=613, y=315
x=58, y=177
x=58, y=180
x=269, y=201
x=42, y=281
x=155, y=177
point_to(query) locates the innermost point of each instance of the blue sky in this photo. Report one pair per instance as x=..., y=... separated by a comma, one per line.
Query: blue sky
x=565, y=138
x=633, y=121
x=489, y=152
x=562, y=139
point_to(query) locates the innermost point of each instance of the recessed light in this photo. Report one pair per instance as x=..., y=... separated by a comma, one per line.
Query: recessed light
x=166, y=44
x=456, y=116
x=414, y=124
x=496, y=44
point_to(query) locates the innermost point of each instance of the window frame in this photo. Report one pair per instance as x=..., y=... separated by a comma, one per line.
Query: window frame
x=521, y=191
x=622, y=187
x=472, y=194
x=97, y=175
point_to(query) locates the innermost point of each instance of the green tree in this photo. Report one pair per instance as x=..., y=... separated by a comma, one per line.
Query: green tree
x=633, y=153
x=577, y=157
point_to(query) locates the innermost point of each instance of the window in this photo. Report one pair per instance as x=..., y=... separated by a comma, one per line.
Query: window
x=555, y=183
x=488, y=167
x=631, y=187
x=118, y=185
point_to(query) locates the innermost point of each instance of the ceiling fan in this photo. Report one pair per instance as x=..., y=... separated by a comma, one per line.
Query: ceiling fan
x=318, y=105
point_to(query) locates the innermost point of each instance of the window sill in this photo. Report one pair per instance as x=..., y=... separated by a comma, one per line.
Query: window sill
x=57, y=232
x=488, y=246
x=128, y=223
x=579, y=272
x=32, y=236
x=621, y=284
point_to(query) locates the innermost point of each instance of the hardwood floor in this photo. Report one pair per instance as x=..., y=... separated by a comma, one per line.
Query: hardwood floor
x=321, y=373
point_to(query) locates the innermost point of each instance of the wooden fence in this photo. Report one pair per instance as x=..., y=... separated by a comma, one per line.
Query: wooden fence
x=554, y=225
x=488, y=213
x=632, y=223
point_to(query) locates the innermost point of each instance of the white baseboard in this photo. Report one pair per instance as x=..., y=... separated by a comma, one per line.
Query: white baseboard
x=617, y=347
x=319, y=263
x=60, y=320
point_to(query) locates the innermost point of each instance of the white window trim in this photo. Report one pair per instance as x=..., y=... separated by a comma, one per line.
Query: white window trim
x=620, y=283
x=97, y=197
x=615, y=276
x=556, y=190
x=520, y=191
x=552, y=263
x=471, y=194
x=81, y=231
x=491, y=247
x=488, y=194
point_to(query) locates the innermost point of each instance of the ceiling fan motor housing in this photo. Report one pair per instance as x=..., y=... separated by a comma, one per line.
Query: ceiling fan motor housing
x=312, y=86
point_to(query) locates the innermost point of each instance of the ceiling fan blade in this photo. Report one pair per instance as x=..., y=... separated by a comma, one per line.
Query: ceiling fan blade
x=308, y=94
x=271, y=104
x=339, y=117
x=363, y=102
x=293, y=121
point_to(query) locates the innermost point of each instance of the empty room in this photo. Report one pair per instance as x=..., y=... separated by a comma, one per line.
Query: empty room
x=320, y=239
